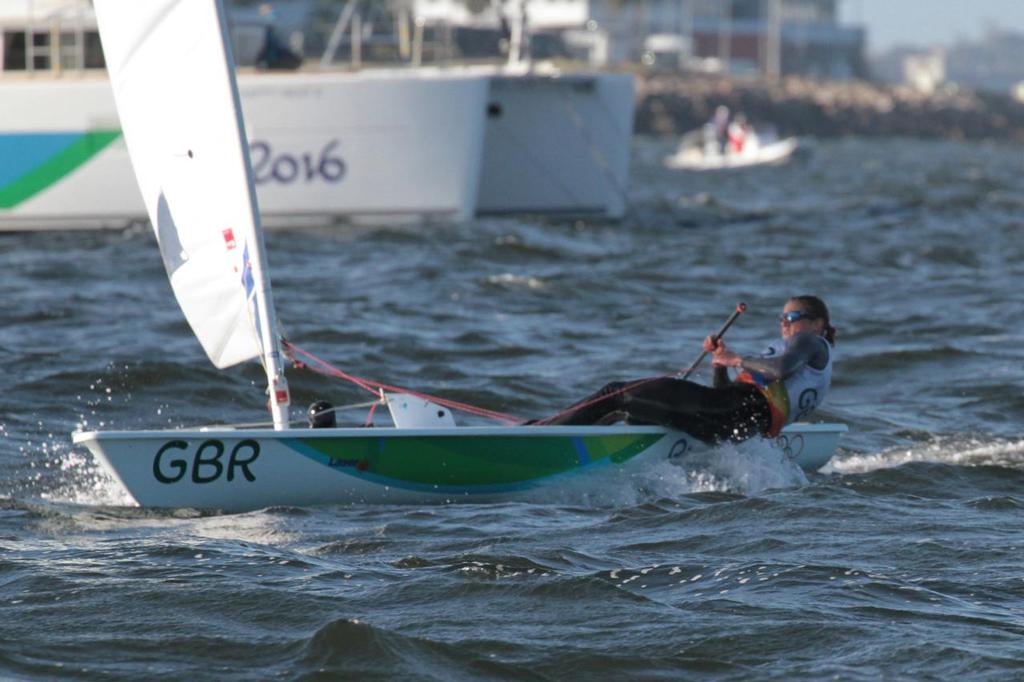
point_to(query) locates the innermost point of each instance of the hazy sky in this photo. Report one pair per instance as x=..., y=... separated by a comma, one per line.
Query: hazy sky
x=929, y=22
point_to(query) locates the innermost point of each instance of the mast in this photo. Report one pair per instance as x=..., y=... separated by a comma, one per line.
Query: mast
x=277, y=384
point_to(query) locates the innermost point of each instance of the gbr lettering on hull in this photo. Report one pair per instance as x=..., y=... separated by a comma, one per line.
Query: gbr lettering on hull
x=207, y=464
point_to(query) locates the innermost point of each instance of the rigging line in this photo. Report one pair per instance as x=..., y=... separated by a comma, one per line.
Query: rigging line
x=369, y=416
x=350, y=406
x=264, y=424
x=455, y=405
x=598, y=399
x=328, y=369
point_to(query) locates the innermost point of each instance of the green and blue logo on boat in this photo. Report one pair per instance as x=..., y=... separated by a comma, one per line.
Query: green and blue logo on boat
x=32, y=162
x=458, y=464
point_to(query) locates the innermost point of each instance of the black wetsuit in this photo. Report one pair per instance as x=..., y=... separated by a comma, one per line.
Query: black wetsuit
x=727, y=411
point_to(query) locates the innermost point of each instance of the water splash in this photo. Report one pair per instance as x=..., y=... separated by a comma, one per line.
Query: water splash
x=748, y=468
x=81, y=480
x=958, y=450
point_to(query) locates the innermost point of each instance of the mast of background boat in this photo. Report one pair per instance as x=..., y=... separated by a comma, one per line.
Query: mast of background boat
x=337, y=34
x=277, y=384
x=517, y=33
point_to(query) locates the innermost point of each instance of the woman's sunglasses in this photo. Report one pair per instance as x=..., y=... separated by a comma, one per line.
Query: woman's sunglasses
x=795, y=316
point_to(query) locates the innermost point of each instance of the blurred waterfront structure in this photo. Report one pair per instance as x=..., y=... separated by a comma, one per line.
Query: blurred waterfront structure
x=688, y=52
x=770, y=37
x=48, y=35
x=925, y=72
x=992, y=64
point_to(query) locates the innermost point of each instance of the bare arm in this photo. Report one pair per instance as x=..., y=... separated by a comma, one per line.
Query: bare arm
x=715, y=345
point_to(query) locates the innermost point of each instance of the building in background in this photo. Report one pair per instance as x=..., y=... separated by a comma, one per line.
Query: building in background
x=926, y=71
x=992, y=64
x=57, y=36
x=772, y=37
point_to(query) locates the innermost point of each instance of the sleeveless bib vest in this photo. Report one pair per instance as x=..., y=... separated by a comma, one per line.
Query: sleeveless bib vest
x=796, y=396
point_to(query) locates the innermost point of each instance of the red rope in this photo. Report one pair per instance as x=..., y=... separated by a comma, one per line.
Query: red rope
x=320, y=366
x=369, y=417
x=325, y=368
x=594, y=401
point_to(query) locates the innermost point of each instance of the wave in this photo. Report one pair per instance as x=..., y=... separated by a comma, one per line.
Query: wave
x=513, y=281
x=955, y=450
x=988, y=475
x=360, y=650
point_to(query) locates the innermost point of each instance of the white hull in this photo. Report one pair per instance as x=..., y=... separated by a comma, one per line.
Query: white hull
x=323, y=145
x=239, y=470
x=694, y=158
x=557, y=144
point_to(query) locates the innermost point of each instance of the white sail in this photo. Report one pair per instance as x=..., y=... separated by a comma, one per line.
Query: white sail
x=173, y=85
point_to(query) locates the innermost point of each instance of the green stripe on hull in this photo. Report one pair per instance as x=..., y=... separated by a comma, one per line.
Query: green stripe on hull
x=468, y=462
x=57, y=167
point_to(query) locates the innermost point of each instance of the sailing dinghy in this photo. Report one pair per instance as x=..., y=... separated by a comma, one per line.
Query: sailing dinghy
x=174, y=84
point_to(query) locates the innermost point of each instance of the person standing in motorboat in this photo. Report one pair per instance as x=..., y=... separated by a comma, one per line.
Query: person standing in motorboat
x=785, y=383
x=715, y=133
x=720, y=126
x=737, y=134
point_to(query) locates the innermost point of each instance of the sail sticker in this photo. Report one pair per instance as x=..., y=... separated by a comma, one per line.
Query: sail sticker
x=229, y=238
x=249, y=282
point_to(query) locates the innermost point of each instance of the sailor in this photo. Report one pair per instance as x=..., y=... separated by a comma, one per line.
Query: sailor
x=737, y=133
x=719, y=124
x=275, y=54
x=785, y=383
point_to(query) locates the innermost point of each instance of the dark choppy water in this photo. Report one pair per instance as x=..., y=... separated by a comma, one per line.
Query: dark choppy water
x=903, y=561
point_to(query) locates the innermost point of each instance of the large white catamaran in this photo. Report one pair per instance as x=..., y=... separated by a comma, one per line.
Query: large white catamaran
x=425, y=143
x=173, y=78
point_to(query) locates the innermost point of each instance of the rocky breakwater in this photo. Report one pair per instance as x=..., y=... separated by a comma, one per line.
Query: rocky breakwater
x=674, y=104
